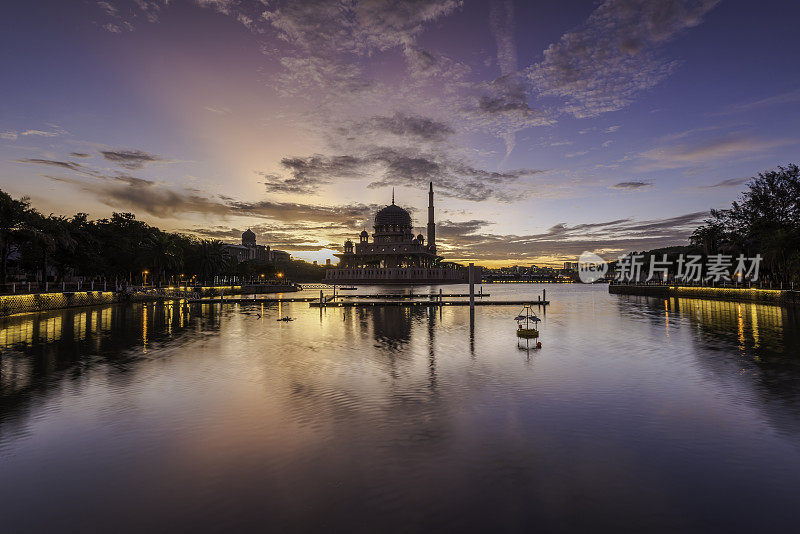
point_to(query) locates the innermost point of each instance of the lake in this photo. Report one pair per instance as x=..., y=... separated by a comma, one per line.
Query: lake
x=637, y=414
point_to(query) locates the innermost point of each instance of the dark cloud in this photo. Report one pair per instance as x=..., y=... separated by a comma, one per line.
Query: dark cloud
x=397, y=167
x=633, y=186
x=730, y=182
x=412, y=126
x=452, y=230
x=609, y=238
x=80, y=155
x=69, y=165
x=309, y=172
x=130, y=159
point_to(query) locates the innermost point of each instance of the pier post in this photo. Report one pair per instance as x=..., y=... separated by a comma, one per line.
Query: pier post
x=544, y=296
x=471, y=286
x=321, y=299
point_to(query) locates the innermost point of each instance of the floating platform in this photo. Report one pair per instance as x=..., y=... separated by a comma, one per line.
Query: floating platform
x=212, y=300
x=410, y=296
x=429, y=303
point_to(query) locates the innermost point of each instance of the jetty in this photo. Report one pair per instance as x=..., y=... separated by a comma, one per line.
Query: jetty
x=212, y=300
x=429, y=303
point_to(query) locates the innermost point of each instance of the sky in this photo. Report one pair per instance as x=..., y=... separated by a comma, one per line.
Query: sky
x=547, y=128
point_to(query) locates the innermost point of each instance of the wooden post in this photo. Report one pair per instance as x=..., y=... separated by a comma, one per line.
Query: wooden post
x=321, y=299
x=544, y=296
x=471, y=286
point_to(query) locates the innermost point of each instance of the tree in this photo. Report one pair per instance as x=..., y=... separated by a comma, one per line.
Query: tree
x=765, y=220
x=14, y=214
x=163, y=254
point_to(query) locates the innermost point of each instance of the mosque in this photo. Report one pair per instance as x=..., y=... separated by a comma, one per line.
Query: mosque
x=395, y=255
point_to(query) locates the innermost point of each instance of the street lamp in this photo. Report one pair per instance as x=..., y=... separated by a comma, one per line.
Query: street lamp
x=144, y=273
x=280, y=275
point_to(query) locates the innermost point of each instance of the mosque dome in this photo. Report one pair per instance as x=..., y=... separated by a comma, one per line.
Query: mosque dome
x=248, y=237
x=393, y=215
x=420, y=238
x=364, y=233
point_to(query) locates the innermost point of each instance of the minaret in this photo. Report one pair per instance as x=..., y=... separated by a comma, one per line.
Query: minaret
x=431, y=225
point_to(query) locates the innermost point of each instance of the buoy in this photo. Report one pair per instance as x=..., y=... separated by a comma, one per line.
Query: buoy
x=538, y=344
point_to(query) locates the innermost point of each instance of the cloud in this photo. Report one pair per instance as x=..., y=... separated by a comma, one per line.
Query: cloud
x=11, y=136
x=54, y=132
x=690, y=154
x=66, y=165
x=602, y=65
x=501, y=23
x=412, y=126
x=564, y=242
x=79, y=155
x=109, y=9
x=396, y=167
x=310, y=172
x=360, y=28
x=130, y=159
x=789, y=97
x=218, y=110
x=576, y=154
x=123, y=191
x=633, y=186
x=729, y=182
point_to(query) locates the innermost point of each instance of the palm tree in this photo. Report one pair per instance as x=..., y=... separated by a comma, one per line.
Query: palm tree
x=163, y=254
x=14, y=215
x=213, y=259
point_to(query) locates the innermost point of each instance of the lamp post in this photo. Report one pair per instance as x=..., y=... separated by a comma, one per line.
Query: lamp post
x=144, y=274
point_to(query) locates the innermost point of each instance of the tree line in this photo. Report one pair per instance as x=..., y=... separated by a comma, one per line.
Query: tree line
x=38, y=247
x=764, y=220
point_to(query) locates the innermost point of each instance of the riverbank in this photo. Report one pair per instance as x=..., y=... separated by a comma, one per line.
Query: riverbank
x=37, y=302
x=760, y=296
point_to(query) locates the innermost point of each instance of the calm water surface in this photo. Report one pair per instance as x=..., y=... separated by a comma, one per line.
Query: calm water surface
x=636, y=415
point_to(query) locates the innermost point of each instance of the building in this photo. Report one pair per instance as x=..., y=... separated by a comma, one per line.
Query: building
x=395, y=255
x=570, y=265
x=249, y=250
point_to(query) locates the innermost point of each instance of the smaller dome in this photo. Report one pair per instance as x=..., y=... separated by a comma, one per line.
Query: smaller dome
x=348, y=242
x=420, y=238
x=364, y=233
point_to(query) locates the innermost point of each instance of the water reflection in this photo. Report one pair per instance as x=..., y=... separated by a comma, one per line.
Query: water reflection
x=754, y=344
x=401, y=419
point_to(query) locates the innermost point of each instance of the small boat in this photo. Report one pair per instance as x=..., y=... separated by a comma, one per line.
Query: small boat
x=526, y=324
x=346, y=288
x=285, y=319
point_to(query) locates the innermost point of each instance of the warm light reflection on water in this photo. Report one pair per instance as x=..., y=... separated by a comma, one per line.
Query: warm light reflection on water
x=636, y=414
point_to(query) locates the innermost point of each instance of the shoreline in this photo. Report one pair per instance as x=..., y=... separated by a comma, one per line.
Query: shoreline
x=38, y=302
x=758, y=296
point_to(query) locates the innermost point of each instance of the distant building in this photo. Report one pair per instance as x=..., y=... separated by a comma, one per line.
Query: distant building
x=395, y=255
x=570, y=265
x=249, y=250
